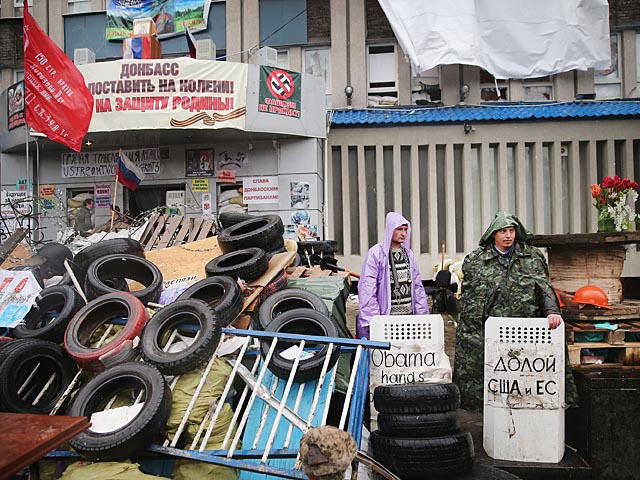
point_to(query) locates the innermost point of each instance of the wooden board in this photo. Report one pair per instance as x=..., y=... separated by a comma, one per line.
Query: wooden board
x=27, y=438
x=626, y=310
x=185, y=260
x=586, y=240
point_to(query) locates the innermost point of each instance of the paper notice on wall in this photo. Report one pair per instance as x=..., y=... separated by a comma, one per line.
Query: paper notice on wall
x=260, y=190
x=102, y=194
x=18, y=291
x=206, y=204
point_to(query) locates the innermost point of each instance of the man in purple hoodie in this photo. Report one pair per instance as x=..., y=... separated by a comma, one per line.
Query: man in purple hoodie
x=390, y=282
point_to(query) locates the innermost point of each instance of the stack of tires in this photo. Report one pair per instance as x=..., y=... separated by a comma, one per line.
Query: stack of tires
x=59, y=335
x=418, y=432
x=247, y=243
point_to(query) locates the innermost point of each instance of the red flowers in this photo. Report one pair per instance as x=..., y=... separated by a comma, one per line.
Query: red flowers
x=617, y=184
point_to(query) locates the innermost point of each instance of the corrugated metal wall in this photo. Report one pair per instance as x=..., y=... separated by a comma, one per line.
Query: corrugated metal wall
x=450, y=183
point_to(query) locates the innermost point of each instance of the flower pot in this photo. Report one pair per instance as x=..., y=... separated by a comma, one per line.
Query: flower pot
x=606, y=224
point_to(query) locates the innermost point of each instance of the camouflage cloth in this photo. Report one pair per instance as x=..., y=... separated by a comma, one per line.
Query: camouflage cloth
x=326, y=452
x=494, y=285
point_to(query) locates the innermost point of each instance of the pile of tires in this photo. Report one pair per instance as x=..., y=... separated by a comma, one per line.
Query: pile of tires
x=418, y=432
x=247, y=243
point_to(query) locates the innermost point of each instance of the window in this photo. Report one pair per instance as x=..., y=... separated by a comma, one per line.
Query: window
x=317, y=61
x=538, y=89
x=19, y=75
x=492, y=89
x=607, y=82
x=382, y=74
x=20, y=3
x=283, y=59
x=79, y=6
x=426, y=87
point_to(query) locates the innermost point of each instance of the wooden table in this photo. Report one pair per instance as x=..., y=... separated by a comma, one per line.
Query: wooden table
x=26, y=438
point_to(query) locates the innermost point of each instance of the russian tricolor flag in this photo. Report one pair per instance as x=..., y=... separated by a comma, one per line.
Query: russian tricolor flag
x=137, y=47
x=191, y=42
x=128, y=173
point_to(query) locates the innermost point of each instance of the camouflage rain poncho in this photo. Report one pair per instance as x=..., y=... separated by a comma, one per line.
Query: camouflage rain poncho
x=493, y=285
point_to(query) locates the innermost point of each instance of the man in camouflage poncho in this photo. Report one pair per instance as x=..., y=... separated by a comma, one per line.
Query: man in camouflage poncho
x=504, y=277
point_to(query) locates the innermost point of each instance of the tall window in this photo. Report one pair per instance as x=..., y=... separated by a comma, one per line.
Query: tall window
x=382, y=75
x=607, y=82
x=317, y=61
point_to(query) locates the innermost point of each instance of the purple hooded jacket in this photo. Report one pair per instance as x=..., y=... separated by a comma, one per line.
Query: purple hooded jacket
x=374, y=286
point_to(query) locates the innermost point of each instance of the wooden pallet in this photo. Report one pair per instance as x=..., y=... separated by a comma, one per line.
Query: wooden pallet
x=627, y=354
x=166, y=231
x=611, y=337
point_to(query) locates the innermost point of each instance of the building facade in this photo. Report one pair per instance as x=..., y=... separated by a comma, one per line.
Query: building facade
x=447, y=173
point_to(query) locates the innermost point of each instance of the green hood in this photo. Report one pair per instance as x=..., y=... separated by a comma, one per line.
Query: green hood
x=504, y=220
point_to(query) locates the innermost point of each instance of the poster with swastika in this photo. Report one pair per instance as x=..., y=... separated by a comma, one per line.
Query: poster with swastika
x=280, y=92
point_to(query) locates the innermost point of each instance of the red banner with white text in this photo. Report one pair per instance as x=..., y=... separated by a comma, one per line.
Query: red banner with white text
x=57, y=100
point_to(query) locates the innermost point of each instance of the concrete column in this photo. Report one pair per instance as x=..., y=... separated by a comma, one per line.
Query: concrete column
x=6, y=8
x=295, y=59
x=629, y=77
x=584, y=81
x=357, y=52
x=471, y=76
x=250, y=28
x=404, y=77
x=234, y=31
x=450, y=84
x=564, y=87
x=339, y=77
x=516, y=90
x=56, y=25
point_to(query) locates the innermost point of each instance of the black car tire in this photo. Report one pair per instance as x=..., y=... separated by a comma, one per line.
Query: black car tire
x=60, y=300
x=247, y=264
x=419, y=458
x=141, y=430
x=155, y=335
x=105, y=275
x=418, y=424
x=222, y=293
x=38, y=360
x=288, y=299
x=306, y=322
x=263, y=232
x=417, y=398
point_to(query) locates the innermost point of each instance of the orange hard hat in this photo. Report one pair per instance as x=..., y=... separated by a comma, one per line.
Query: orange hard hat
x=592, y=295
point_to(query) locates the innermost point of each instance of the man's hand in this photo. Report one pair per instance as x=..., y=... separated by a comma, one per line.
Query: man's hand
x=555, y=320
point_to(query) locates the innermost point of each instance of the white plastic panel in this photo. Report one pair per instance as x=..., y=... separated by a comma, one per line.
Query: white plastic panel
x=524, y=390
x=416, y=355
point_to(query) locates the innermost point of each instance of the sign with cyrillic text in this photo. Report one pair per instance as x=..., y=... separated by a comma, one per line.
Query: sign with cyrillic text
x=260, y=190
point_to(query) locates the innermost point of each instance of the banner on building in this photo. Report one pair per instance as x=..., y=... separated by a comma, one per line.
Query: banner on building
x=171, y=94
x=48, y=199
x=57, y=101
x=170, y=16
x=15, y=105
x=260, y=190
x=103, y=164
x=280, y=92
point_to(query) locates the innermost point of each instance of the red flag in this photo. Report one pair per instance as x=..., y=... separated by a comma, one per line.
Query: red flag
x=58, y=102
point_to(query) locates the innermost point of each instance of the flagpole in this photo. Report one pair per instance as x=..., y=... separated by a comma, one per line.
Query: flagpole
x=115, y=194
